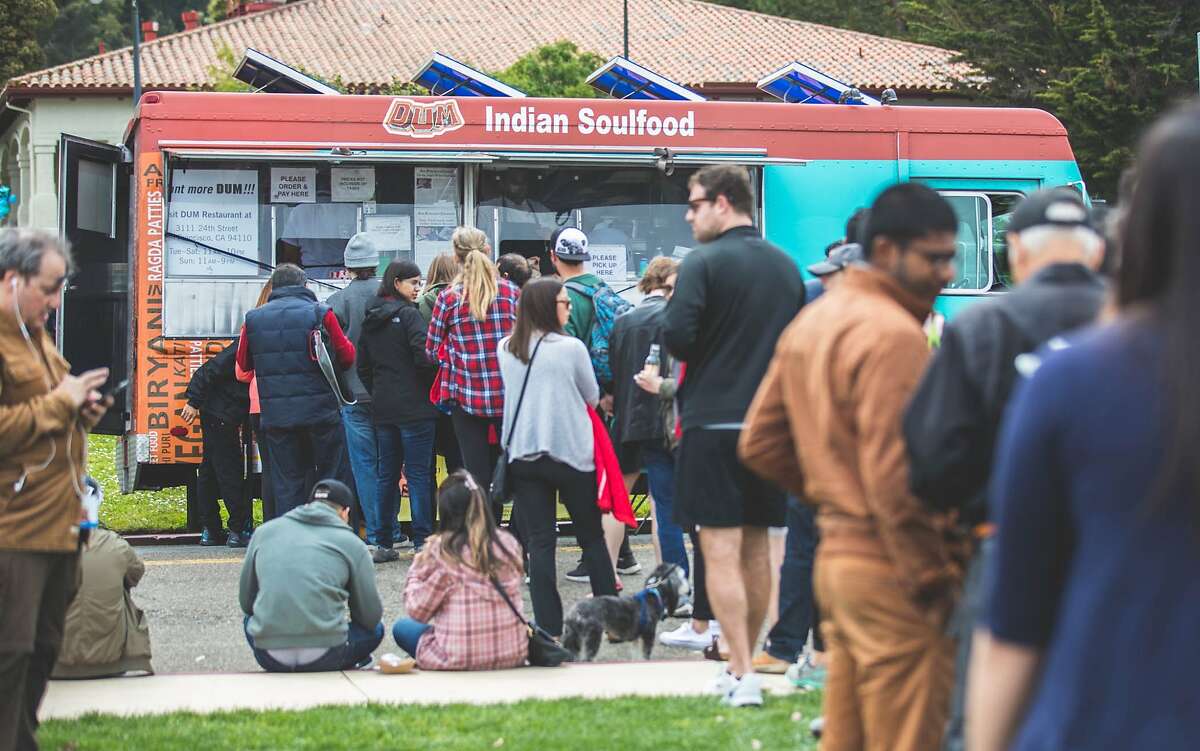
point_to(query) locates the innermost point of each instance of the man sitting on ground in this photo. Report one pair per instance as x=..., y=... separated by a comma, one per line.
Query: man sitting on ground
x=301, y=572
x=106, y=633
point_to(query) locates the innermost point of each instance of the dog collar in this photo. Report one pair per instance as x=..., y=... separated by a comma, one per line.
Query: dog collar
x=644, y=606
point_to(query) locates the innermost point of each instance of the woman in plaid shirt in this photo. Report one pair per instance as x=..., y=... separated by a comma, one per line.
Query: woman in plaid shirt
x=457, y=620
x=469, y=320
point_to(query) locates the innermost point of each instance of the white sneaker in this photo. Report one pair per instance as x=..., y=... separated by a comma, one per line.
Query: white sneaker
x=745, y=693
x=722, y=684
x=687, y=637
x=816, y=727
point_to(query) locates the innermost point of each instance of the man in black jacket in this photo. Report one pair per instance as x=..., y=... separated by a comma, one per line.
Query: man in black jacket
x=951, y=423
x=223, y=405
x=735, y=294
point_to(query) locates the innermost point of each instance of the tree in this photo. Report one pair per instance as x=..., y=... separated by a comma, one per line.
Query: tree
x=221, y=73
x=21, y=23
x=554, y=70
x=1106, y=68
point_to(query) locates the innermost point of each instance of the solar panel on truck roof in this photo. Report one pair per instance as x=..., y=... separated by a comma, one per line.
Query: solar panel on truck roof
x=799, y=83
x=445, y=76
x=265, y=73
x=625, y=79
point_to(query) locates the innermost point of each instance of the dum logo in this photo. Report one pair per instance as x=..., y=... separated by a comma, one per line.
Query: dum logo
x=422, y=119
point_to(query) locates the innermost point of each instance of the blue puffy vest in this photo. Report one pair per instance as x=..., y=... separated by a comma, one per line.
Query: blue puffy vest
x=291, y=388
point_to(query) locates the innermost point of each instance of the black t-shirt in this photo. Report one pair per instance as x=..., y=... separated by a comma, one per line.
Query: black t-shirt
x=733, y=298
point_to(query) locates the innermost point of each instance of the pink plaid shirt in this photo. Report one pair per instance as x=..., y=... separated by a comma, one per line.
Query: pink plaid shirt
x=473, y=628
x=472, y=377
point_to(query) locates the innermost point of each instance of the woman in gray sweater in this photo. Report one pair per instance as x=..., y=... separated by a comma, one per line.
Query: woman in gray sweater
x=552, y=450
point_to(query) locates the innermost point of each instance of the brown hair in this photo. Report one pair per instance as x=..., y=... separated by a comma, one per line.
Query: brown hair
x=443, y=269
x=727, y=180
x=537, y=311
x=467, y=239
x=657, y=273
x=264, y=295
x=466, y=526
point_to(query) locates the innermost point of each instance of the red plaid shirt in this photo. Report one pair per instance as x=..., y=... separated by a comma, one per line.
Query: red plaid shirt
x=473, y=628
x=472, y=376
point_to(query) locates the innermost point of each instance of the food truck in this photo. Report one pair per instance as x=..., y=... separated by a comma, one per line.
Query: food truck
x=177, y=229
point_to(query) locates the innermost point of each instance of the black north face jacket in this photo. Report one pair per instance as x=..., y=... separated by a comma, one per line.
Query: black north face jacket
x=952, y=422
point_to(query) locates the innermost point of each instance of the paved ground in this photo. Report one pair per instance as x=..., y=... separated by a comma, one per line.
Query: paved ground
x=209, y=692
x=189, y=594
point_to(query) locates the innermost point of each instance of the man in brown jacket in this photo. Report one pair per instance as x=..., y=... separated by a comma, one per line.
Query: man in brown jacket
x=826, y=424
x=45, y=413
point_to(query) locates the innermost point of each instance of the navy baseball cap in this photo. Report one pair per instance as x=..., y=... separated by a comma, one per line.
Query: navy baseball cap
x=332, y=491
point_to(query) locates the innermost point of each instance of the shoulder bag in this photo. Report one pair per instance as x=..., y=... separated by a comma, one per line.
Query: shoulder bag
x=501, y=488
x=544, y=651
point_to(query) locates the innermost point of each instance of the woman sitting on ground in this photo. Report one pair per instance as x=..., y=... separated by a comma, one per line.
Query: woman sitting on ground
x=457, y=620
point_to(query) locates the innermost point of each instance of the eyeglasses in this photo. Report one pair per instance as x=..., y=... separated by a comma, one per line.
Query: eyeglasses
x=695, y=203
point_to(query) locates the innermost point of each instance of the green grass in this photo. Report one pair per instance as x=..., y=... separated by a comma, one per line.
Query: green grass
x=629, y=724
x=142, y=511
x=166, y=510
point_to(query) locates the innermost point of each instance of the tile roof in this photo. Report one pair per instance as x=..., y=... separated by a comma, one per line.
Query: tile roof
x=371, y=43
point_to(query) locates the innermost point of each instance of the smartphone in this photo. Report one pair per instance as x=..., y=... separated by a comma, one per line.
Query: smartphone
x=114, y=389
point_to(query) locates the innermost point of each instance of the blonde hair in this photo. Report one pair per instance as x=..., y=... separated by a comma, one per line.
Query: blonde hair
x=479, y=283
x=443, y=270
x=657, y=273
x=467, y=239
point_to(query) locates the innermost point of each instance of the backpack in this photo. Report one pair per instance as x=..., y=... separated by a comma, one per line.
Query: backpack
x=607, y=306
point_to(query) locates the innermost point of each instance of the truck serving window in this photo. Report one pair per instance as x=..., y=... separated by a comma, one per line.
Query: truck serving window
x=630, y=213
x=230, y=223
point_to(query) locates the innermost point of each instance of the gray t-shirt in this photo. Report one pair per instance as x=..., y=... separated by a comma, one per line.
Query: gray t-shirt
x=350, y=304
x=553, y=420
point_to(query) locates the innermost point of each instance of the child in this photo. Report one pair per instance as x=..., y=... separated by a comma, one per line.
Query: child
x=457, y=618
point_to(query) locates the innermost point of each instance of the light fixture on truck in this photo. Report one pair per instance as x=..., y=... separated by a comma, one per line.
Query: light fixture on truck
x=445, y=76
x=265, y=73
x=797, y=83
x=625, y=79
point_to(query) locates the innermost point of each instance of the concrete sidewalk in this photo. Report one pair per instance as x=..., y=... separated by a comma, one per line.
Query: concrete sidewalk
x=212, y=692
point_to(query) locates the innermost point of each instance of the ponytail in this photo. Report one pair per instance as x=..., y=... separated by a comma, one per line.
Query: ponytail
x=479, y=283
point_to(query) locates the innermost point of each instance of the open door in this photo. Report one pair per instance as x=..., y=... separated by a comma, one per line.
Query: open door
x=93, y=324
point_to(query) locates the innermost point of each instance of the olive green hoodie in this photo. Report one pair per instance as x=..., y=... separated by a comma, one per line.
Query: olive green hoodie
x=301, y=572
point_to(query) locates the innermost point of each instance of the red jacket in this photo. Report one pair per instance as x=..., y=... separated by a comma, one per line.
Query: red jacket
x=611, y=496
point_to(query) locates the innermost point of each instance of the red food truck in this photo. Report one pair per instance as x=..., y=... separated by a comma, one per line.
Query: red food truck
x=177, y=229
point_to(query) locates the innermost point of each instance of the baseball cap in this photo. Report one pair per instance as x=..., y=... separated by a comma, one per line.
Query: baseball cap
x=332, y=491
x=570, y=244
x=839, y=258
x=361, y=252
x=1055, y=207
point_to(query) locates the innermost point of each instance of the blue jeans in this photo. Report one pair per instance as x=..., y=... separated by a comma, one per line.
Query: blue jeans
x=408, y=633
x=408, y=446
x=797, y=606
x=364, y=461
x=360, y=643
x=660, y=475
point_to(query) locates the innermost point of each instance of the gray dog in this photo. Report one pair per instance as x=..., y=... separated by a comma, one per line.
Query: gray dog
x=625, y=618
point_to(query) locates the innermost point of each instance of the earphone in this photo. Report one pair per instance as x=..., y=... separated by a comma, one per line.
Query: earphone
x=76, y=475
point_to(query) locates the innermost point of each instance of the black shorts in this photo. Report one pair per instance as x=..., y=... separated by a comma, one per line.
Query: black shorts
x=630, y=456
x=713, y=489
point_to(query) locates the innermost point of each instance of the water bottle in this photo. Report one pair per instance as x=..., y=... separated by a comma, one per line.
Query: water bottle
x=652, y=360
